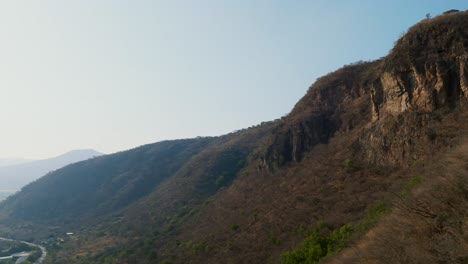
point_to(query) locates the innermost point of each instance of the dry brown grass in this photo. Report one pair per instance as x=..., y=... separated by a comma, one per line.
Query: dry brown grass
x=439, y=38
x=429, y=226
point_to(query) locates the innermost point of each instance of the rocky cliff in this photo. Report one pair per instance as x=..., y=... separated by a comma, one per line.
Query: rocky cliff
x=351, y=141
x=426, y=71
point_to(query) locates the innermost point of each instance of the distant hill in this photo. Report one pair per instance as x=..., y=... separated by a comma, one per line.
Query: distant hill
x=13, y=161
x=16, y=173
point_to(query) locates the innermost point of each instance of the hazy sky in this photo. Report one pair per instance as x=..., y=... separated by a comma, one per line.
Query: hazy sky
x=112, y=75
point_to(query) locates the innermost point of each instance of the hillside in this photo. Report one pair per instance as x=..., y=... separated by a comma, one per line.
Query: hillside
x=14, y=177
x=100, y=184
x=300, y=189
x=429, y=218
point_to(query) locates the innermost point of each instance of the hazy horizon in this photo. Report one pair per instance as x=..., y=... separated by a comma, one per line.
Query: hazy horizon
x=113, y=75
x=11, y=161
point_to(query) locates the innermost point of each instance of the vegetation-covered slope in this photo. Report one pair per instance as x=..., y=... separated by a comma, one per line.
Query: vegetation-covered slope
x=15, y=176
x=98, y=186
x=429, y=218
x=294, y=190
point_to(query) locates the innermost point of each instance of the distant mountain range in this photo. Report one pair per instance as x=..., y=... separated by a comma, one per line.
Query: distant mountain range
x=13, y=161
x=16, y=173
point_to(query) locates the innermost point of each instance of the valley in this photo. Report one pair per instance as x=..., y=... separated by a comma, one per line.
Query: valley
x=21, y=252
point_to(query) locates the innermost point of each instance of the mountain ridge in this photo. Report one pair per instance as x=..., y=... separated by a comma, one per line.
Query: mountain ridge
x=12, y=161
x=352, y=141
x=15, y=176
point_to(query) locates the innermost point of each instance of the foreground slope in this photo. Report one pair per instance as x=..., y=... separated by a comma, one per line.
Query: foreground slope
x=428, y=225
x=250, y=196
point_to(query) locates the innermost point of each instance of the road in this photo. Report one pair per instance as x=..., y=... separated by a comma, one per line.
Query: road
x=43, y=250
x=21, y=260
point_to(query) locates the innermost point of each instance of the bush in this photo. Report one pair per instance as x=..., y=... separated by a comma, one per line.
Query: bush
x=316, y=245
x=338, y=239
x=373, y=216
x=313, y=249
x=348, y=164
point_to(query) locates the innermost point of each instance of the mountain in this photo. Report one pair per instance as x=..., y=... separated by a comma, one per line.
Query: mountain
x=12, y=161
x=15, y=176
x=368, y=167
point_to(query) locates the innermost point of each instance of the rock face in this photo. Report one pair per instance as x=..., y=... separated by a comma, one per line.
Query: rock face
x=436, y=85
x=391, y=99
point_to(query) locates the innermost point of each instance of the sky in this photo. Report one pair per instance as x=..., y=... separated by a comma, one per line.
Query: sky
x=113, y=75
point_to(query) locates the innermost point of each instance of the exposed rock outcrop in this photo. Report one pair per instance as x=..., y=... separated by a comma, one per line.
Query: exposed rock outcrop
x=426, y=71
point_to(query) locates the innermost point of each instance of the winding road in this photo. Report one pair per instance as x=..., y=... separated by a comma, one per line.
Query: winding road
x=20, y=260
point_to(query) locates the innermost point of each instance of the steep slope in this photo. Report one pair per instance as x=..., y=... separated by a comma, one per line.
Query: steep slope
x=248, y=197
x=14, y=177
x=428, y=225
x=361, y=164
x=343, y=148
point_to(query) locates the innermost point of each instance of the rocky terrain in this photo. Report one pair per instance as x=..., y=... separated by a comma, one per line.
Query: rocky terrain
x=370, y=144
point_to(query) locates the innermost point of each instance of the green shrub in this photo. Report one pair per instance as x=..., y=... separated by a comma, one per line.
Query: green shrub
x=318, y=245
x=314, y=247
x=320, y=242
x=338, y=239
x=348, y=164
x=374, y=213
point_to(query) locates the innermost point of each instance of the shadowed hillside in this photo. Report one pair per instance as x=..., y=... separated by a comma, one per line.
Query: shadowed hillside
x=94, y=187
x=299, y=189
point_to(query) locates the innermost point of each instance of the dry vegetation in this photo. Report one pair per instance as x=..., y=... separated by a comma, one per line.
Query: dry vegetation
x=430, y=225
x=314, y=181
x=431, y=40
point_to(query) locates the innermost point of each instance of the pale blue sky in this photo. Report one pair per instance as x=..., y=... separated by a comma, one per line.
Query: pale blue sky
x=112, y=75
